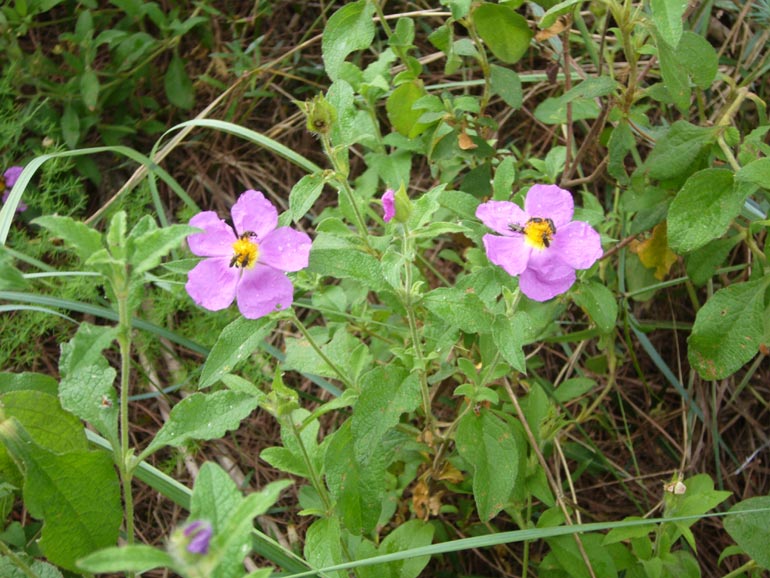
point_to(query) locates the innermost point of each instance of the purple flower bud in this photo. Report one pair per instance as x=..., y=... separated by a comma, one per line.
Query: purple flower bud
x=389, y=205
x=7, y=181
x=199, y=533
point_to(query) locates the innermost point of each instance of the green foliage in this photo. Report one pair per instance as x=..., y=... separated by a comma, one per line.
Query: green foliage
x=448, y=386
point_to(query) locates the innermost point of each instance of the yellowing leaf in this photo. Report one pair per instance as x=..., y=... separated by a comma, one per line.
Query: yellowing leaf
x=654, y=252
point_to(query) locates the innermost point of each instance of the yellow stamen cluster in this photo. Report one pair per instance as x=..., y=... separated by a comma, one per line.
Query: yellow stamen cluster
x=245, y=252
x=539, y=232
x=2, y=184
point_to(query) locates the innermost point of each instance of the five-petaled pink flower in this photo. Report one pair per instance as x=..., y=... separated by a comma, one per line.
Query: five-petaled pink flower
x=249, y=263
x=389, y=205
x=541, y=243
x=7, y=181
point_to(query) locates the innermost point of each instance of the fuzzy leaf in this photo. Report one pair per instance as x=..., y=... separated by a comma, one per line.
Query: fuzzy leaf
x=349, y=29
x=82, y=238
x=76, y=494
x=133, y=558
x=203, y=417
x=505, y=32
x=236, y=342
x=487, y=443
x=728, y=329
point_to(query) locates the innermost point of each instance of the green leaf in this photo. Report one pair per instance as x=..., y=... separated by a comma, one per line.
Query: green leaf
x=357, y=488
x=232, y=540
x=152, y=246
x=236, y=342
x=573, y=388
x=293, y=456
x=674, y=75
x=553, y=13
x=28, y=381
x=679, y=149
x=756, y=172
x=82, y=238
x=215, y=496
x=349, y=29
x=509, y=335
x=76, y=494
x=566, y=551
x=89, y=89
x=459, y=309
x=401, y=113
x=507, y=85
x=386, y=394
x=751, y=531
x=304, y=194
x=699, y=58
x=87, y=386
x=179, y=88
x=728, y=329
x=582, y=97
x=407, y=536
x=47, y=424
x=323, y=546
x=505, y=175
x=703, y=209
x=505, y=32
x=667, y=16
x=703, y=263
x=70, y=126
x=487, y=443
x=203, y=417
x=599, y=302
x=334, y=256
x=345, y=351
x=133, y=558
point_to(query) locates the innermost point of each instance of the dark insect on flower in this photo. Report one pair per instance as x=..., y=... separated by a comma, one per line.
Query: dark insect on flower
x=536, y=228
x=245, y=250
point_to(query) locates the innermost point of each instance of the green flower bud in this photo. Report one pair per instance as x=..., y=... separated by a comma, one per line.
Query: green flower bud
x=320, y=114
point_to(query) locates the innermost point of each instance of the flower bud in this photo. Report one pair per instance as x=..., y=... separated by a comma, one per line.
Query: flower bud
x=320, y=114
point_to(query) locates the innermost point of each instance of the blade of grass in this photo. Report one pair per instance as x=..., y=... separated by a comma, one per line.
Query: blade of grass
x=514, y=536
x=8, y=210
x=249, y=135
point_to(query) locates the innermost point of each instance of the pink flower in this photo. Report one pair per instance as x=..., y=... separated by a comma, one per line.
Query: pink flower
x=248, y=264
x=7, y=181
x=541, y=244
x=389, y=205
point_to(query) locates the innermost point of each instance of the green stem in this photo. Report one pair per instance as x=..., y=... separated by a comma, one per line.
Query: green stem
x=306, y=334
x=18, y=562
x=124, y=468
x=750, y=565
x=315, y=478
x=341, y=174
x=413, y=332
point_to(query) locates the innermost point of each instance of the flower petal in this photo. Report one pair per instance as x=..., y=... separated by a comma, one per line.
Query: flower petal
x=11, y=176
x=545, y=277
x=499, y=215
x=285, y=249
x=510, y=253
x=389, y=205
x=253, y=213
x=263, y=290
x=217, y=238
x=212, y=283
x=550, y=202
x=577, y=244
